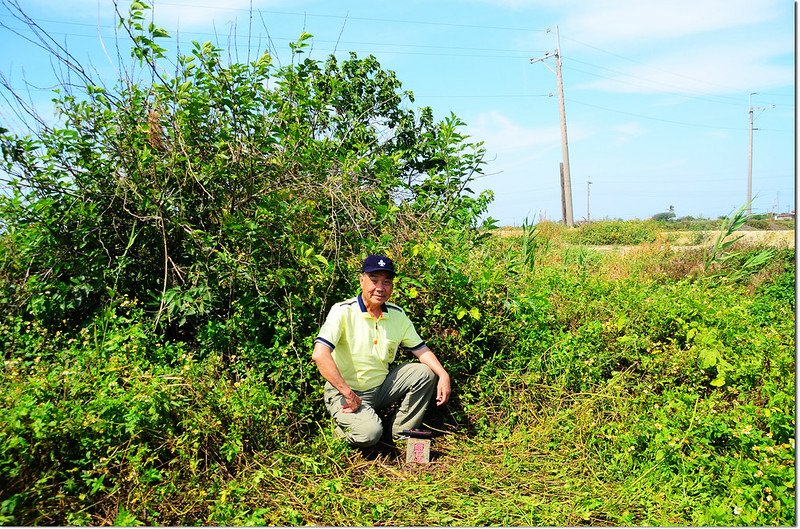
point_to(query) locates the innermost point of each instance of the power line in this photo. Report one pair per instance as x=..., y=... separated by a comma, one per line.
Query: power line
x=306, y=14
x=318, y=15
x=652, y=67
x=490, y=96
x=482, y=96
x=512, y=54
x=347, y=17
x=683, y=93
x=681, y=176
x=519, y=54
x=490, y=53
x=698, y=125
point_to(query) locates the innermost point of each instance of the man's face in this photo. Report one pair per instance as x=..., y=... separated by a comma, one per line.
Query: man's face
x=376, y=287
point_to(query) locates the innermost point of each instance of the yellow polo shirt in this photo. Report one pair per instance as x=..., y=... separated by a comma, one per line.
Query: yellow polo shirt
x=362, y=346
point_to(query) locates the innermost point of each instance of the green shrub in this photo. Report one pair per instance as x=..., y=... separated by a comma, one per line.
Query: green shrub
x=101, y=419
x=613, y=232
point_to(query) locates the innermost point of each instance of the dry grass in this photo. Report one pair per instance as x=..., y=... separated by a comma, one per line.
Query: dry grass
x=761, y=238
x=673, y=255
x=679, y=239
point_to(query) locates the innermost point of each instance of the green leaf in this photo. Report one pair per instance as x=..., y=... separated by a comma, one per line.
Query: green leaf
x=124, y=518
x=708, y=358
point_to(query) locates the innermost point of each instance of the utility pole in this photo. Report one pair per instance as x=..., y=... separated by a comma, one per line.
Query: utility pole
x=566, y=193
x=588, y=184
x=750, y=154
x=563, y=200
x=750, y=158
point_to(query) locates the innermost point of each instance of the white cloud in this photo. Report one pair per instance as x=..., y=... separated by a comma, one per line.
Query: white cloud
x=501, y=134
x=719, y=68
x=625, y=132
x=169, y=14
x=678, y=46
x=197, y=14
x=523, y=161
x=718, y=135
x=522, y=4
x=605, y=21
x=617, y=21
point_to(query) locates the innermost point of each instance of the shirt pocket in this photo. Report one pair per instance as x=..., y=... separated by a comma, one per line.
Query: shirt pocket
x=391, y=349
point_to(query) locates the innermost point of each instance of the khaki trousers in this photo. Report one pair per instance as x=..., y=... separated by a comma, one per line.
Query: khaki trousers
x=412, y=385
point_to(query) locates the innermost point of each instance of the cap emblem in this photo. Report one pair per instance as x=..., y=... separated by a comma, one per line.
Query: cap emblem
x=382, y=263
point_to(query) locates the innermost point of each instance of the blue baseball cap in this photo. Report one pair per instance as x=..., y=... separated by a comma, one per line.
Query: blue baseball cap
x=378, y=263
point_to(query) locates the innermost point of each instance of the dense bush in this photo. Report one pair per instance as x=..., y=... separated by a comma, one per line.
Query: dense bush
x=770, y=224
x=102, y=414
x=664, y=216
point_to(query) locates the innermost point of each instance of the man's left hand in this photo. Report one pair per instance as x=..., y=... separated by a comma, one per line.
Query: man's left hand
x=443, y=391
x=427, y=357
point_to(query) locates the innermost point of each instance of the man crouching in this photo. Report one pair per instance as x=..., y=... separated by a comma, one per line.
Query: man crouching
x=353, y=350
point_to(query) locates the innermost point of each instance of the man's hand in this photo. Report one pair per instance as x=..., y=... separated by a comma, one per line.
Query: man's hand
x=443, y=390
x=352, y=403
x=327, y=367
x=427, y=357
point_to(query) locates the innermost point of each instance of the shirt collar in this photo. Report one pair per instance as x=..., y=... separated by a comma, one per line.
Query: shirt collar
x=363, y=307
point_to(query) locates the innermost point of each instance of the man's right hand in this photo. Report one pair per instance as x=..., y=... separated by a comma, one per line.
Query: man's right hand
x=327, y=367
x=352, y=403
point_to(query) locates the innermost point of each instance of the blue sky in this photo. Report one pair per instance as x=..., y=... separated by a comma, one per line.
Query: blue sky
x=657, y=92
